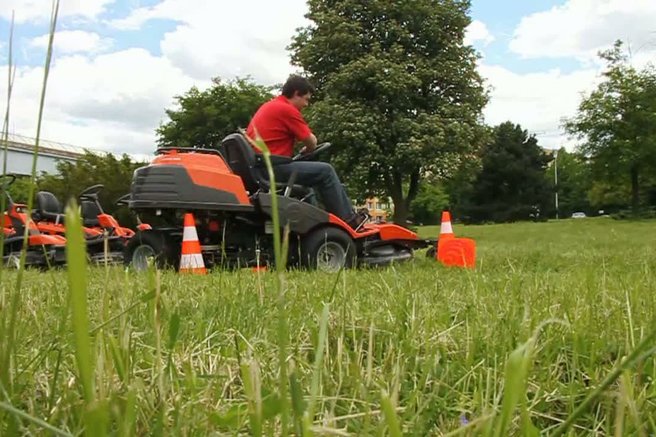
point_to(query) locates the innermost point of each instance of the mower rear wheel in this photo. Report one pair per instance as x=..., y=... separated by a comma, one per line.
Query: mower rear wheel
x=151, y=247
x=328, y=249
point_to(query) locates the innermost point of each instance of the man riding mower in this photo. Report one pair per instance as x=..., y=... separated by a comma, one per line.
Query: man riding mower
x=231, y=202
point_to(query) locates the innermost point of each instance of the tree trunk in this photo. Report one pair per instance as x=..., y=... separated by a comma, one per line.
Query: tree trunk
x=635, y=190
x=400, y=212
x=401, y=202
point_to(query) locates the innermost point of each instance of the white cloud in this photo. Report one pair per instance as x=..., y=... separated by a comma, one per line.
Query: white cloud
x=74, y=41
x=537, y=101
x=40, y=10
x=580, y=28
x=114, y=101
x=478, y=31
x=111, y=102
x=226, y=39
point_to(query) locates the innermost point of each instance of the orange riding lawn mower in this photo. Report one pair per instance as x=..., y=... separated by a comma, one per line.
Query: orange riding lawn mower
x=230, y=197
x=105, y=238
x=42, y=250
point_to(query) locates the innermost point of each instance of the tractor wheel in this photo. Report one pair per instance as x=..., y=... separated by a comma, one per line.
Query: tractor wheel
x=431, y=252
x=328, y=249
x=149, y=247
x=12, y=261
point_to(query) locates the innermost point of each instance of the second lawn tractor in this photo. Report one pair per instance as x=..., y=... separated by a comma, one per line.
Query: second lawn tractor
x=231, y=199
x=105, y=238
x=42, y=250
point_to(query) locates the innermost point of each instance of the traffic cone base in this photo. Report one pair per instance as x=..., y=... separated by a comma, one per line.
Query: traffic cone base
x=191, y=259
x=457, y=252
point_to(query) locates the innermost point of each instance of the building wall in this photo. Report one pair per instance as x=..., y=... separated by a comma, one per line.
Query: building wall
x=20, y=151
x=377, y=209
x=20, y=162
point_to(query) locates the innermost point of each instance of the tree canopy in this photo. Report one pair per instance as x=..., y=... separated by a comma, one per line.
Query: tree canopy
x=398, y=91
x=574, y=182
x=91, y=169
x=511, y=184
x=617, y=123
x=204, y=118
x=427, y=207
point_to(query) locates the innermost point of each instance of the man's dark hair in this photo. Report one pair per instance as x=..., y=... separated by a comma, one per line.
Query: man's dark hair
x=296, y=83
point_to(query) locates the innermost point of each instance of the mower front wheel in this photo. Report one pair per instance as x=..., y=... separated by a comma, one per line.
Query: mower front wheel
x=328, y=249
x=151, y=247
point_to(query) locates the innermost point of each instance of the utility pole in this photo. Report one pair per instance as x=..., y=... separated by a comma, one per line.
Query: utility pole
x=556, y=179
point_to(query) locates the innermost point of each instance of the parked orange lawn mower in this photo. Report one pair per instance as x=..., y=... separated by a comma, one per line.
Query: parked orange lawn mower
x=103, y=245
x=43, y=250
x=95, y=218
x=231, y=201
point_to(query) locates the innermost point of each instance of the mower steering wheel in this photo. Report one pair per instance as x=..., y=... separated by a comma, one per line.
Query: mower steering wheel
x=92, y=192
x=7, y=180
x=313, y=154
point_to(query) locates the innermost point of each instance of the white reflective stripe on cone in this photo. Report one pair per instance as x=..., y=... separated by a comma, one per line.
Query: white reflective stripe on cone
x=189, y=234
x=192, y=261
x=446, y=228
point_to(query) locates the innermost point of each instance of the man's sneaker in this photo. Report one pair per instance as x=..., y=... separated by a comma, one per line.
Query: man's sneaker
x=358, y=219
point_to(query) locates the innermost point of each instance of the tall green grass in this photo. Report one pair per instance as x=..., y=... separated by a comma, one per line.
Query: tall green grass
x=552, y=332
x=11, y=75
x=12, y=300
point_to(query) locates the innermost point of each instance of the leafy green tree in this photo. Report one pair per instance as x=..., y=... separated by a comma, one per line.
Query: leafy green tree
x=91, y=169
x=427, y=207
x=204, y=118
x=398, y=95
x=574, y=182
x=617, y=123
x=20, y=189
x=511, y=184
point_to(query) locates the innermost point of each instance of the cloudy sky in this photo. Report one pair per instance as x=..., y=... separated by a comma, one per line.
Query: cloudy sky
x=118, y=63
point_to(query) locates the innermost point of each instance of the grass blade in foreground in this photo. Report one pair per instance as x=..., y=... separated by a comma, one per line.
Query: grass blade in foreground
x=76, y=258
x=640, y=352
x=8, y=331
x=95, y=415
x=280, y=268
x=11, y=74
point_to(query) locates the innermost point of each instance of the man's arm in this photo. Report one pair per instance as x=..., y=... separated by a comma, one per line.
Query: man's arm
x=309, y=144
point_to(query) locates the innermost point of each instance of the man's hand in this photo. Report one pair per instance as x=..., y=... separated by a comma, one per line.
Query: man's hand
x=309, y=144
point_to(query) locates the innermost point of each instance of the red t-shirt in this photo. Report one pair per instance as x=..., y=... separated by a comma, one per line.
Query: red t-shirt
x=280, y=124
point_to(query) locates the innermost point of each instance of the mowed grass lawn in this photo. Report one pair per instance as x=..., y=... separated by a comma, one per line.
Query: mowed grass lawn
x=413, y=349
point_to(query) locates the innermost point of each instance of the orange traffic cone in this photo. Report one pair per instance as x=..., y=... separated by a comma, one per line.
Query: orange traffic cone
x=191, y=260
x=457, y=252
x=446, y=230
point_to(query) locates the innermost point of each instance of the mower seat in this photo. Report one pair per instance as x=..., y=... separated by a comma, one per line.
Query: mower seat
x=243, y=161
x=241, y=158
x=90, y=213
x=48, y=207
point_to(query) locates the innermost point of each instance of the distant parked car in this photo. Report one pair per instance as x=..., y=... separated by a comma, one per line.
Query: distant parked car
x=578, y=215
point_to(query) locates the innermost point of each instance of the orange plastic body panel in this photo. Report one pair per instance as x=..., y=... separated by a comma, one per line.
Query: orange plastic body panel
x=46, y=240
x=144, y=227
x=8, y=231
x=208, y=171
x=52, y=228
x=391, y=231
x=109, y=222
